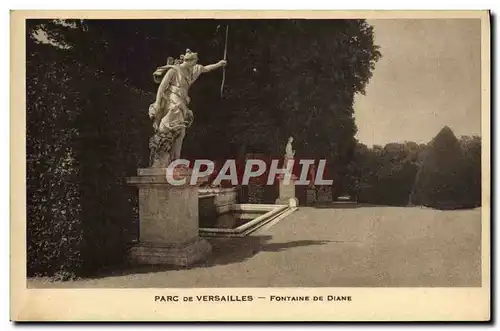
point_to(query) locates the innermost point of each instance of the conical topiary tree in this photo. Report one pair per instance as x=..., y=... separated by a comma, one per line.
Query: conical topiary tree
x=438, y=182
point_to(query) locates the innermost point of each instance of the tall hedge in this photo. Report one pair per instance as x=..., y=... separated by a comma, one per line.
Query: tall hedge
x=386, y=175
x=449, y=177
x=86, y=133
x=443, y=174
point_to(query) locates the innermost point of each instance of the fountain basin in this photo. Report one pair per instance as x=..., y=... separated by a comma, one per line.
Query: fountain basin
x=216, y=201
x=242, y=219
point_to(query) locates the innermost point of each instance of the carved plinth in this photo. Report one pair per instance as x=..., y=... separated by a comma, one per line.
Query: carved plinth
x=168, y=219
x=311, y=196
x=184, y=254
x=287, y=191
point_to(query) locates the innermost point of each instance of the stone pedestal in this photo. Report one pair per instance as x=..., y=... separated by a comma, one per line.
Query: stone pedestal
x=168, y=220
x=287, y=191
x=311, y=197
x=324, y=194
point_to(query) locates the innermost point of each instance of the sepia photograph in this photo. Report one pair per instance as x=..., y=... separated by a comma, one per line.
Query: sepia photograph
x=270, y=153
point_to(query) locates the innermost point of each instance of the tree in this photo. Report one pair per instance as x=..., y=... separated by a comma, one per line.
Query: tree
x=471, y=170
x=285, y=77
x=439, y=183
x=386, y=173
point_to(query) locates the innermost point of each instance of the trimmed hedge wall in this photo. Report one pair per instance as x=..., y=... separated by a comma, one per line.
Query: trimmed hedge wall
x=85, y=134
x=450, y=176
x=385, y=175
x=443, y=174
x=392, y=187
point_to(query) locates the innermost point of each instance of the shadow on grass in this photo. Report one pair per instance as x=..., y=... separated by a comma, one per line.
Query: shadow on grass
x=224, y=251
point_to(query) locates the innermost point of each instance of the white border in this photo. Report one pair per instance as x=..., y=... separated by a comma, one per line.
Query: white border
x=193, y=4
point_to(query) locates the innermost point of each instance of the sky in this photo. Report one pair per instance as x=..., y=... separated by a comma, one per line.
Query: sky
x=428, y=77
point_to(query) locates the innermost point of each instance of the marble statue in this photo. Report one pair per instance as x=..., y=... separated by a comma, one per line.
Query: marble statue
x=170, y=112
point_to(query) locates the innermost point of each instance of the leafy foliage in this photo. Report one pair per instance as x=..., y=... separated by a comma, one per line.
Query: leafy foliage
x=306, y=91
x=284, y=77
x=53, y=201
x=386, y=174
x=446, y=173
x=449, y=177
x=82, y=141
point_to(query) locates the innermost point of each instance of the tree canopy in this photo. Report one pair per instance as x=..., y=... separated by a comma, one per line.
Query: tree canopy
x=284, y=77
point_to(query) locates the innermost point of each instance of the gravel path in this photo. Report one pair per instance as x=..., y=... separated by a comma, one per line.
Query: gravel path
x=347, y=247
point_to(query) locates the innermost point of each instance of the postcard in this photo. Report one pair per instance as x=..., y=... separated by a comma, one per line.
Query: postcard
x=250, y=166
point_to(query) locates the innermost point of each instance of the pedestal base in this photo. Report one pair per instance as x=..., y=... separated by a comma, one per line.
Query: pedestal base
x=168, y=219
x=311, y=197
x=287, y=191
x=177, y=254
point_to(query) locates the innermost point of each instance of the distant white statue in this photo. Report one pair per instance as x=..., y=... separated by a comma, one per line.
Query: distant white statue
x=289, y=152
